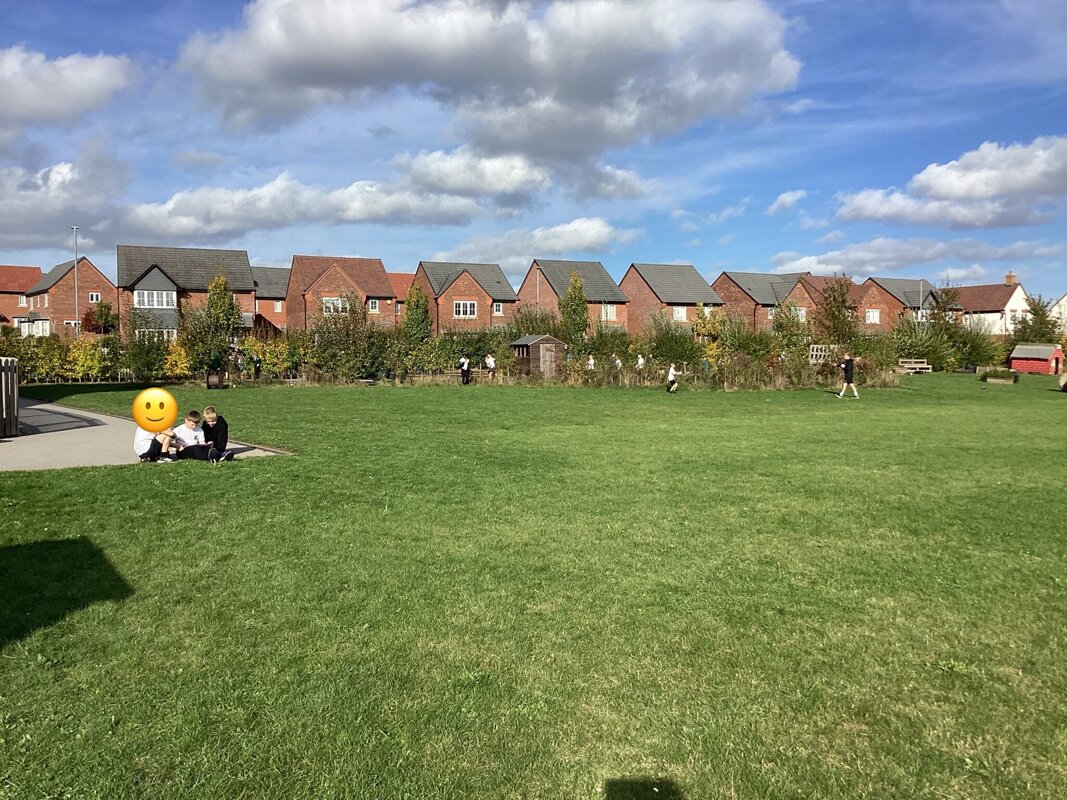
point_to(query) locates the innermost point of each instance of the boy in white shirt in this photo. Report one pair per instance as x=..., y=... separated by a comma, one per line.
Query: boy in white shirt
x=490, y=366
x=152, y=446
x=672, y=379
x=189, y=438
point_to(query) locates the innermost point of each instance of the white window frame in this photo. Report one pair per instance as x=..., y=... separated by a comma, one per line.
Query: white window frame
x=94, y=297
x=679, y=313
x=155, y=298
x=277, y=306
x=802, y=314
x=372, y=307
x=608, y=312
x=922, y=315
x=22, y=301
x=498, y=309
x=334, y=305
x=464, y=309
x=46, y=301
x=770, y=312
x=872, y=316
x=167, y=334
x=72, y=323
x=708, y=311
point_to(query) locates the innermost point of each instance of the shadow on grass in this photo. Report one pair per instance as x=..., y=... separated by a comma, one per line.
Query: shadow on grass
x=43, y=582
x=642, y=789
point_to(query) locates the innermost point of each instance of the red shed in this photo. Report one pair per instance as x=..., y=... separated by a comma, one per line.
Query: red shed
x=1044, y=359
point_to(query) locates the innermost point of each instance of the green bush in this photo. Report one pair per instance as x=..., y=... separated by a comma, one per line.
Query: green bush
x=999, y=374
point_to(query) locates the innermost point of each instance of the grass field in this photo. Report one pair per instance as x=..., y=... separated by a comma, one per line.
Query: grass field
x=549, y=593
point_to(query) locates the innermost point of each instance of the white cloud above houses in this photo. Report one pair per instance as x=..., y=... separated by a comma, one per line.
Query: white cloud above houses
x=998, y=171
x=786, y=201
x=462, y=172
x=899, y=208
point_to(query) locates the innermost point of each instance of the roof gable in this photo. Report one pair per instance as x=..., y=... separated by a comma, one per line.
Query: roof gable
x=767, y=289
x=400, y=282
x=907, y=290
x=490, y=277
x=191, y=269
x=987, y=298
x=57, y=273
x=816, y=286
x=18, y=279
x=596, y=282
x=677, y=284
x=366, y=273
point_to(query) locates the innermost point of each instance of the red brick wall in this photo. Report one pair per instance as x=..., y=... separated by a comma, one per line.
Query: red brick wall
x=621, y=315
x=874, y=296
x=265, y=308
x=801, y=298
x=737, y=303
x=295, y=317
x=465, y=288
x=9, y=306
x=643, y=301
x=61, y=297
x=537, y=293
x=1037, y=365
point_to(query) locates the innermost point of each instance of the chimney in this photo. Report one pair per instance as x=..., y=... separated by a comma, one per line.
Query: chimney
x=1010, y=279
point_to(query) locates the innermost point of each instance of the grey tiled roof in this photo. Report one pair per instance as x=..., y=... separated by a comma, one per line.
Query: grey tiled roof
x=52, y=277
x=596, y=283
x=678, y=284
x=490, y=277
x=766, y=289
x=906, y=290
x=271, y=282
x=1033, y=351
x=191, y=268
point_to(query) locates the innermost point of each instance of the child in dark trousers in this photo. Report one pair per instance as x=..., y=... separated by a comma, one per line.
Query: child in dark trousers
x=217, y=433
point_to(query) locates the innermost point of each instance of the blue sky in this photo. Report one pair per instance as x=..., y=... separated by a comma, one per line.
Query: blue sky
x=907, y=138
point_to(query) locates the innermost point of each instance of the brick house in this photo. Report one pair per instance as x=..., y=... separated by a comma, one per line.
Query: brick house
x=999, y=306
x=14, y=283
x=876, y=309
x=466, y=296
x=159, y=281
x=671, y=289
x=753, y=296
x=906, y=296
x=320, y=285
x=55, y=306
x=401, y=282
x=546, y=282
x=271, y=285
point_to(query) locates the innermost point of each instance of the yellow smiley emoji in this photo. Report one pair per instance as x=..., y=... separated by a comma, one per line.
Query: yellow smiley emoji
x=155, y=410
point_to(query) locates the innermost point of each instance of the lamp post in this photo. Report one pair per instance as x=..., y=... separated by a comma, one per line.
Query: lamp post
x=77, y=317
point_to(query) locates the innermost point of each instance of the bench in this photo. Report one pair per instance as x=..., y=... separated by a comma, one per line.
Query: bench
x=914, y=365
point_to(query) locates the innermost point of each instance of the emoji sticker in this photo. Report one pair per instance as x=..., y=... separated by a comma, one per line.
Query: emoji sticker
x=155, y=410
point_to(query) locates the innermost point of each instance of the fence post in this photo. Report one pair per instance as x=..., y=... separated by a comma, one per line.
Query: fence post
x=9, y=397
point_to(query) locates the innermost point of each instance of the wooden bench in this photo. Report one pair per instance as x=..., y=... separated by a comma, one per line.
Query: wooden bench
x=913, y=365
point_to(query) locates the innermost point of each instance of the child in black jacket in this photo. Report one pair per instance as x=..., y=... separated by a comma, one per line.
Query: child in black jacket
x=217, y=433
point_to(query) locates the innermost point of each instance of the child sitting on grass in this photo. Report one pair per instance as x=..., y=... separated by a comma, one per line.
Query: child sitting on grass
x=189, y=439
x=217, y=433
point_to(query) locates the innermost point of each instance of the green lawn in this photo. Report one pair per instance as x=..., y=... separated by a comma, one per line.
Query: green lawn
x=549, y=593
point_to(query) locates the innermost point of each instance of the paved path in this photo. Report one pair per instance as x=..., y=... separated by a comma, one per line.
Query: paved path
x=54, y=436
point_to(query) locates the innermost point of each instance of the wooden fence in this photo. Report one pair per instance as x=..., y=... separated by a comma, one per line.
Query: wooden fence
x=9, y=397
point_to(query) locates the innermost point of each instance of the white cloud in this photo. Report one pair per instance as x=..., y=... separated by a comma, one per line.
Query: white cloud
x=217, y=212
x=608, y=182
x=515, y=249
x=992, y=171
x=463, y=172
x=36, y=89
x=37, y=207
x=888, y=255
x=562, y=79
x=730, y=212
x=786, y=201
x=973, y=272
x=807, y=223
x=903, y=209
x=831, y=237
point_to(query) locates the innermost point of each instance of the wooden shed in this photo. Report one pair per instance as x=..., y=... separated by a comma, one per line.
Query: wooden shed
x=539, y=354
x=1044, y=359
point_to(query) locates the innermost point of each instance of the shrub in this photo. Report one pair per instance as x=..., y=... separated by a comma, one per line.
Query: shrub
x=915, y=339
x=664, y=341
x=999, y=374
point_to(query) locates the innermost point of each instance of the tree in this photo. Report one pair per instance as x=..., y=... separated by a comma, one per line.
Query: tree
x=99, y=318
x=206, y=333
x=417, y=323
x=1039, y=326
x=835, y=320
x=574, y=311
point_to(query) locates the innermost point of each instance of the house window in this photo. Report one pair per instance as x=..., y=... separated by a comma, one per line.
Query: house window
x=37, y=327
x=498, y=309
x=802, y=314
x=277, y=306
x=152, y=299
x=94, y=297
x=154, y=335
x=607, y=312
x=334, y=305
x=71, y=323
x=464, y=309
x=679, y=313
x=872, y=316
x=46, y=301
x=22, y=301
x=922, y=315
x=770, y=312
x=372, y=306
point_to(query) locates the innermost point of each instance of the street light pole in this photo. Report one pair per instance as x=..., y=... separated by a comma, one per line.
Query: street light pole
x=77, y=317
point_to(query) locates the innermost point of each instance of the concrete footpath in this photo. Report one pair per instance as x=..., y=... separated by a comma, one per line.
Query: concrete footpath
x=53, y=437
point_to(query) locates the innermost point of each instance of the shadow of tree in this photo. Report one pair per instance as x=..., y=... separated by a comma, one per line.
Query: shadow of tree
x=43, y=582
x=642, y=789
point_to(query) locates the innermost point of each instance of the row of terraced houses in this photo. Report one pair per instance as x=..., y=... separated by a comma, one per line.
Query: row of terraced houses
x=161, y=280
